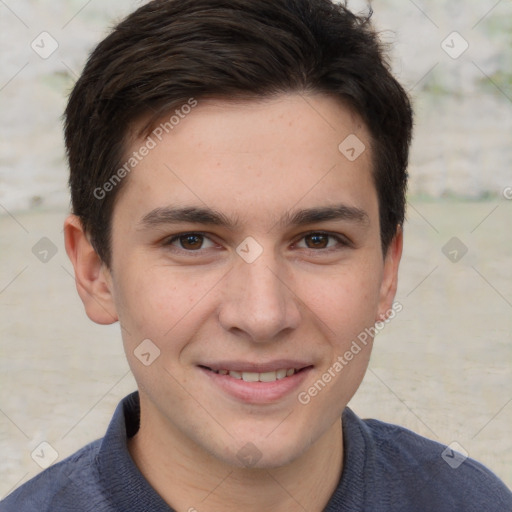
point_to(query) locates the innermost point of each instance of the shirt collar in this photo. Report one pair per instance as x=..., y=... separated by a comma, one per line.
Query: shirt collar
x=357, y=473
x=127, y=488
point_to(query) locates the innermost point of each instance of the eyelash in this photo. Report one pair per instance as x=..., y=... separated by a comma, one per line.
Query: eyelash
x=342, y=241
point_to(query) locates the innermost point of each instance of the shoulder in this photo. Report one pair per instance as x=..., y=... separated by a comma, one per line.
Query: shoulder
x=418, y=471
x=72, y=484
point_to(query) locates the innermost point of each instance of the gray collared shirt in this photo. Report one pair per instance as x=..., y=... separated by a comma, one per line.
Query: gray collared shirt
x=386, y=468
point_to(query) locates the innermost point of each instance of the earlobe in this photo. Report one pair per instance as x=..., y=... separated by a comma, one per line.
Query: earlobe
x=92, y=277
x=390, y=275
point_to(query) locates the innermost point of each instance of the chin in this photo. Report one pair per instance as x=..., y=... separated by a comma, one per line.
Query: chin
x=264, y=453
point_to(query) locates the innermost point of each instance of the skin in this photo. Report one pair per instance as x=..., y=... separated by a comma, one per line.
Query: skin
x=254, y=162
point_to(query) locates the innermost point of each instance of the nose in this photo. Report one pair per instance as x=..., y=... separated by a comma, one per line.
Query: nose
x=258, y=302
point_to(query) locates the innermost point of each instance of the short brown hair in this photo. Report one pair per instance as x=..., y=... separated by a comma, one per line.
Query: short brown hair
x=169, y=51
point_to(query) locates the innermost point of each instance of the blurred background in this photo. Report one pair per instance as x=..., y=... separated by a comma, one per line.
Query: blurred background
x=442, y=368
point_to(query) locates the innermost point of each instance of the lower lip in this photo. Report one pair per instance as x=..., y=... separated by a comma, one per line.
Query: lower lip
x=257, y=392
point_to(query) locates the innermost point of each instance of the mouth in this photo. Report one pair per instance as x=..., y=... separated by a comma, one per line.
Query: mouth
x=257, y=384
x=268, y=376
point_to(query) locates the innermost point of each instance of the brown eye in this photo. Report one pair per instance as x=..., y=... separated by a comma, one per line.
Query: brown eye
x=191, y=242
x=317, y=241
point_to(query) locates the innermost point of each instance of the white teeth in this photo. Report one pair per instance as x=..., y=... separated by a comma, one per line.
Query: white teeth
x=268, y=377
x=250, y=376
x=281, y=374
x=261, y=377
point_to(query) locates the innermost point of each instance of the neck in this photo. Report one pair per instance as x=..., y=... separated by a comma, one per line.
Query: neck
x=190, y=479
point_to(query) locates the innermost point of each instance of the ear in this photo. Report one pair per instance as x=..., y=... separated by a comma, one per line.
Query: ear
x=390, y=275
x=92, y=277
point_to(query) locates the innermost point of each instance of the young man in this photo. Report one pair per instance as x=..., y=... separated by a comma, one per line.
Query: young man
x=238, y=176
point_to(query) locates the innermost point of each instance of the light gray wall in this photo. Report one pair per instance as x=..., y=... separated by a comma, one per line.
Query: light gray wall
x=463, y=105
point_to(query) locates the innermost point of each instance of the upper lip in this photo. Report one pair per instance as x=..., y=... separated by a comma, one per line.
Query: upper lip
x=245, y=366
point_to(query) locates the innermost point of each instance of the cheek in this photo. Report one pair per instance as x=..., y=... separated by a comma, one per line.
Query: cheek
x=157, y=301
x=345, y=302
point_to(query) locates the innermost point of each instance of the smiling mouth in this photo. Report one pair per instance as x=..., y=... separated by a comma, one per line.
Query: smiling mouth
x=271, y=376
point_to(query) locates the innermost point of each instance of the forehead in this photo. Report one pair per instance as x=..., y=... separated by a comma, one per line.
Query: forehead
x=257, y=156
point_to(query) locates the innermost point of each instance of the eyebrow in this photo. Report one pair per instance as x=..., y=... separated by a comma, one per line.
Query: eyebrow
x=208, y=216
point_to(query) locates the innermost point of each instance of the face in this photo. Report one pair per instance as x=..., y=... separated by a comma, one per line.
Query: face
x=246, y=247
